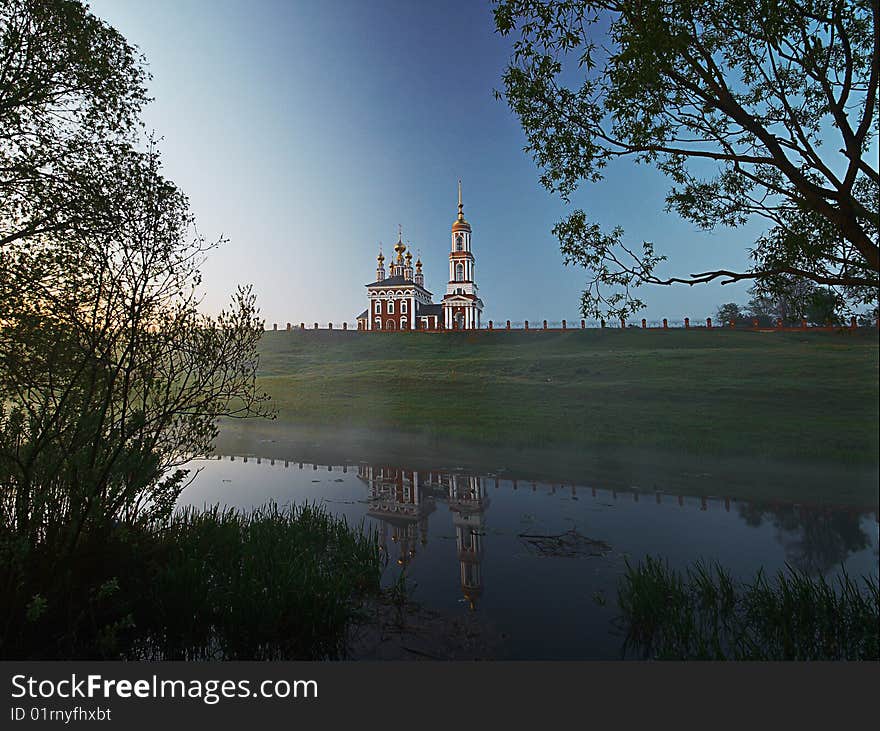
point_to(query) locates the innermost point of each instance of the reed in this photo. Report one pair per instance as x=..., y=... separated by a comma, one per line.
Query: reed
x=275, y=583
x=702, y=613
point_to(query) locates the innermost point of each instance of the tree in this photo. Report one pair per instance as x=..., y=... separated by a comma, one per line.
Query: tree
x=71, y=90
x=729, y=312
x=751, y=109
x=110, y=377
x=784, y=297
x=792, y=299
x=823, y=307
x=869, y=318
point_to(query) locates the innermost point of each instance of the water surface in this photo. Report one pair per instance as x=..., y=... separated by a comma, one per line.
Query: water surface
x=484, y=543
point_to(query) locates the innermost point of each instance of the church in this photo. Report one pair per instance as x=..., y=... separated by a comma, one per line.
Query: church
x=400, y=301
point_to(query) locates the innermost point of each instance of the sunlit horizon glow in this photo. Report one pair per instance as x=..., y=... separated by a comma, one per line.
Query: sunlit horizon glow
x=306, y=132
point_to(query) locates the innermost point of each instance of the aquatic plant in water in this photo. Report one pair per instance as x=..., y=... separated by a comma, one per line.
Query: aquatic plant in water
x=703, y=614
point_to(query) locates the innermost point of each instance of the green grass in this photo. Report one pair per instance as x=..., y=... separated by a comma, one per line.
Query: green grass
x=806, y=396
x=703, y=614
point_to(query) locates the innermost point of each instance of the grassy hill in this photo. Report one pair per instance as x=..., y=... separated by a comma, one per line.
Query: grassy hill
x=720, y=392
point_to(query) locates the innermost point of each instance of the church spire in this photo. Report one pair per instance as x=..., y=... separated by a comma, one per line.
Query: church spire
x=397, y=268
x=460, y=224
x=399, y=247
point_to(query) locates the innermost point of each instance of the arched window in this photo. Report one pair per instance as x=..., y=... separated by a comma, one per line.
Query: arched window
x=403, y=307
x=390, y=307
x=378, y=323
x=389, y=325
x=403, y=323
x=378, y=307
x=459, y=272
x=459, y=242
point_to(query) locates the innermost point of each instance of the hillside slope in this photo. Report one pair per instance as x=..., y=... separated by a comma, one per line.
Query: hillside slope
x=811, y=396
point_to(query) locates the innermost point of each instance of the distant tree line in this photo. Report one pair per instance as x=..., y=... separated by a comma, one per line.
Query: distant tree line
x=799, y=300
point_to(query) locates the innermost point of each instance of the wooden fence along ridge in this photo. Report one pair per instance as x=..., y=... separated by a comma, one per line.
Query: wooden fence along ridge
x=565, y=325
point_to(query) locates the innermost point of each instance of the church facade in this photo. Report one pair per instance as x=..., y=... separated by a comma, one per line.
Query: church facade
x=400, y=300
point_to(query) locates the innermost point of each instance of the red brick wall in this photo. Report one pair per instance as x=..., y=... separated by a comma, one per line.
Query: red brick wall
x=394, y=317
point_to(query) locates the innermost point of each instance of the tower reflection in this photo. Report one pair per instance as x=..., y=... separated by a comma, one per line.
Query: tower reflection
x=401, y=501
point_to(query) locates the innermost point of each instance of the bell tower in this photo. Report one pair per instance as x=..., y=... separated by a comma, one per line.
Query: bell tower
x=462, y=307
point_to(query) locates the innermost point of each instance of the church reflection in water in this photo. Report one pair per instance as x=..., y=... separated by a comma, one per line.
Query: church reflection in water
x=816, y=539
x=401, y=501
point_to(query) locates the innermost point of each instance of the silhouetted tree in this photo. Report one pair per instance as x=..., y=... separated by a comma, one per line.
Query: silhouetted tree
x=110, y=377
x=764, y=109
x=823, y=307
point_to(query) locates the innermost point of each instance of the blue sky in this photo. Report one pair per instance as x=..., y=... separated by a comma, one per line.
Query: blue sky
x=305, y=131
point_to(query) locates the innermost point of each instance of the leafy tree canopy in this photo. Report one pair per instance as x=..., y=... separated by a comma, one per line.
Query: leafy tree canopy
x=71, y=90
x=762, y=108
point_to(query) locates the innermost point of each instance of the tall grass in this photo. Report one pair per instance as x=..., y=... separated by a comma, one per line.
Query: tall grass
x=215, y=584
x=703, y=614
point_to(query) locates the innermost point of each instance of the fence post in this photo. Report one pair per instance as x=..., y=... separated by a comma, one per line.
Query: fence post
x=316, y=326
x=644, y=323
x=584, y=324
x=563, y=324
x=490, y=324
x=602, y=324
x=329, y=325
x=709, y=323
x=302, y=326
x=545, y=324
x=733, y=323
x=852, y=323
x=508, y=324
x=345, y=326
x=527, y=324
x=755, y=323
x=779, y=323
x=687, y=323
x=803, y=324
x=622, y=323
x=665, y=324
x=288, y=327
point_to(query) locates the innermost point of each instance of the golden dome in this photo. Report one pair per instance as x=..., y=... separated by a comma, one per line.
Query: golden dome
x=409, y=256
x=399, y=247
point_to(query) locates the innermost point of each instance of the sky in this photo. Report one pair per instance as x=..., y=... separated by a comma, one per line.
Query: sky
x=306, y=131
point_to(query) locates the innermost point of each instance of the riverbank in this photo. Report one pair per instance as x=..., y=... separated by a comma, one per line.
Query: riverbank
x=781, y=395
x=771, y=415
